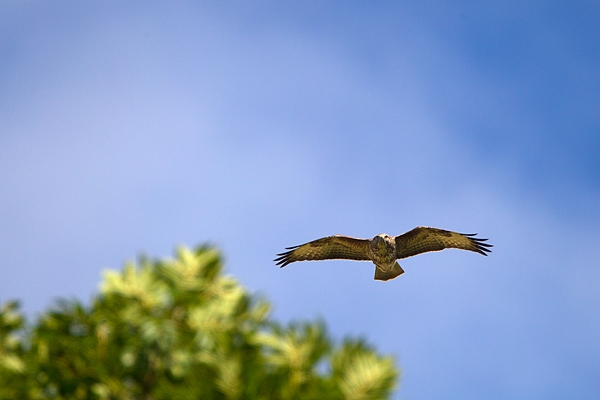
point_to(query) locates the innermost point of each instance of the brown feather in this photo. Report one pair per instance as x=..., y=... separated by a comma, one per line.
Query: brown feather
x=327, y=248
x=424, y=239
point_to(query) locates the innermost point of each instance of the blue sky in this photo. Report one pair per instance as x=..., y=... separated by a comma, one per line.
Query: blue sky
x=134, y=127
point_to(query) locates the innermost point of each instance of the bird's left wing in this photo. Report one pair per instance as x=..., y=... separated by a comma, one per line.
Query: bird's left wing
x=423, y=239
x=327, y=248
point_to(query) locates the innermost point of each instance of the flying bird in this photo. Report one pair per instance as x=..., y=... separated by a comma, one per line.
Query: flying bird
x=383, y=250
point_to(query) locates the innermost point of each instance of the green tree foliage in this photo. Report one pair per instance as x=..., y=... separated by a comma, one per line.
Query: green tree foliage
x=180, y=329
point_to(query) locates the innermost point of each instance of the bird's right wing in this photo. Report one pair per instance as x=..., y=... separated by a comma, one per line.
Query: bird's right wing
x=327, y=248
x=423, y=239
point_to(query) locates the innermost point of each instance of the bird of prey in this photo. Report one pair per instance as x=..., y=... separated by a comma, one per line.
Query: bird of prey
x=383, y=250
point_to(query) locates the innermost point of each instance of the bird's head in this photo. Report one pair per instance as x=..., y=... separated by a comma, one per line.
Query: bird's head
x=381, y=241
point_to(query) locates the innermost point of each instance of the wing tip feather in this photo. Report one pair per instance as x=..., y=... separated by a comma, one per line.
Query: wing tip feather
x=480, y=247
x=283, y=259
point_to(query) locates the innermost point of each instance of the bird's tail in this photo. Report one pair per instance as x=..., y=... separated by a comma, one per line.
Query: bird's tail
x=386, y=276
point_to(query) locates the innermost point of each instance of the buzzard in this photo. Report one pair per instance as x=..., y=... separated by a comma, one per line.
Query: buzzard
x=383, y=249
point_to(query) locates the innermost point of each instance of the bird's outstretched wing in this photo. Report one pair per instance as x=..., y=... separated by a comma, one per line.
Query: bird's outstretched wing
x=327, y=248
x=423, y=239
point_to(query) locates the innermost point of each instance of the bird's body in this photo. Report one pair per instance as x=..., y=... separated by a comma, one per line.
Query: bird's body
x=383, y=250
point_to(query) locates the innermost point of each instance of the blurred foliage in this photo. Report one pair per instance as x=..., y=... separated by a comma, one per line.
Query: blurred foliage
x=180, y=329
